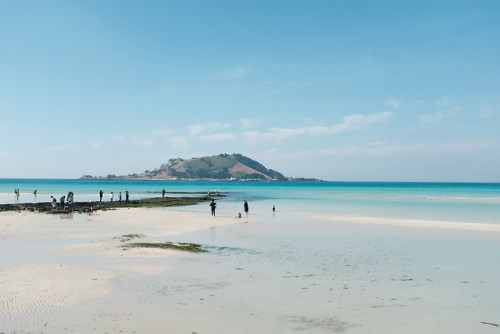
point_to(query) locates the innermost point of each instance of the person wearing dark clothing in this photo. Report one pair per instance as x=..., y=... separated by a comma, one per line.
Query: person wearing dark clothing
x=212, y=206
x=245, y=207
x=163, y=193
x=100, y=195
x=126, y=196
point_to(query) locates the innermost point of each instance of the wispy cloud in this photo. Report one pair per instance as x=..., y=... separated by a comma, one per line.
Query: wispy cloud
x=247, y=123
x=350, y=123
x=233, y=73
x=201, y=128
x=438, y=115
x=395, y=103
x=273, y=134
x=354, y=122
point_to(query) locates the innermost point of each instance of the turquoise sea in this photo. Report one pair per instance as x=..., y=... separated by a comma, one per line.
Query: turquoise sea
x=460, y=202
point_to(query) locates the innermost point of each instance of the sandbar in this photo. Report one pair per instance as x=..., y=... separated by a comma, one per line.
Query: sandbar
x=51, y=264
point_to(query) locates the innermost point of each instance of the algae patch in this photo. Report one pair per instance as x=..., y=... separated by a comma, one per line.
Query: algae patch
x=179, y=246
x=128, y=237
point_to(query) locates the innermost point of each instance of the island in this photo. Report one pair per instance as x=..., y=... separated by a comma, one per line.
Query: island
x=232, y=167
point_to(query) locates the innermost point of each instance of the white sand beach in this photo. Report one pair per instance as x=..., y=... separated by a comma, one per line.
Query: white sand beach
x=52, y=263
x=267, y=274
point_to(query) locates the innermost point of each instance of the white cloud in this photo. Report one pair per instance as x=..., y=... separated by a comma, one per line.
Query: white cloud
x=217, y=137
x=350, y=123
x=438, y=115
x=318, y=130
x=198, y=129
x=395, y=103
x=354, y=122
x=234, y=73
x=250, y=123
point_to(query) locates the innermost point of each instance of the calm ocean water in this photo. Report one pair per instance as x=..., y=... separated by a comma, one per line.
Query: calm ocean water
x=467, y=202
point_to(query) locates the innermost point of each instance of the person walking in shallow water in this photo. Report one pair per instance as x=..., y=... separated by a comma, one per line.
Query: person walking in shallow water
x=245, y=207
x=213, y=205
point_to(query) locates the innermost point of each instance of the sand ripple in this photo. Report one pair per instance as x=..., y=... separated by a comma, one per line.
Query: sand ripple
x=35, y=288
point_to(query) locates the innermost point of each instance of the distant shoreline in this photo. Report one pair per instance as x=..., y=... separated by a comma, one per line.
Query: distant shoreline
x=103, y=178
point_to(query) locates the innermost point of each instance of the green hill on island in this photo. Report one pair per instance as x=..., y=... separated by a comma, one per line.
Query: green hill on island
x=217, y=167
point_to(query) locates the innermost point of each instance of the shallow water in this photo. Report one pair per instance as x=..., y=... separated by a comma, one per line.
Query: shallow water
x=283, y=273
x=462, y=202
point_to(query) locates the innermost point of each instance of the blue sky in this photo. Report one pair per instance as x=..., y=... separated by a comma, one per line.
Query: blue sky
x=339, y=90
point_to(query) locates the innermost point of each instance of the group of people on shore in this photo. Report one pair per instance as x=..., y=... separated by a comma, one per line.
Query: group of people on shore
x=68, y=199
x=112, y=195
x=213, y=206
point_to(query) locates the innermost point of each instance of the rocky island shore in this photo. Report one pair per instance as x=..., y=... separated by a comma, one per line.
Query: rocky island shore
x=84, y=207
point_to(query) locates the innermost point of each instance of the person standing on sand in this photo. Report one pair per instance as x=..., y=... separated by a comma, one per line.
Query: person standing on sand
x=111, y=197
x=53, y=201
x=100, y=195
x=245, y=207
x=62, y=200
x=126, y=196
x=213, y=205
x=69, y=198
x=120, y=197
